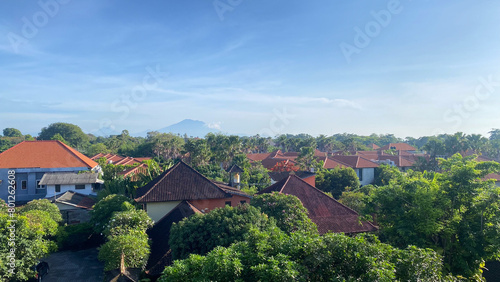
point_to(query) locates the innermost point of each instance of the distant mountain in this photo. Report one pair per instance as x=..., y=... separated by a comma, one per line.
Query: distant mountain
x=195, y=128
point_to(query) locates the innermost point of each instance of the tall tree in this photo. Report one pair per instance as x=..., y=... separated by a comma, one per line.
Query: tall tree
x=12, y=132
x=73, y=134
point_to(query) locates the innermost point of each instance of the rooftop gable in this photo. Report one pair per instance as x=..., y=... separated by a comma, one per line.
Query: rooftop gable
x=326, y=212
x=181, y=182
x=355, y=161
x=398, y=147
x=44, y=154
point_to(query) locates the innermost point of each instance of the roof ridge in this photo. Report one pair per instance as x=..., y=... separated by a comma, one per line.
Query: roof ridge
x=206, y=178
x=71, y=150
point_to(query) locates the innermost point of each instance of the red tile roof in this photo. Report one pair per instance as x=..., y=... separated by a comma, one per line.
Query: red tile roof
x=182, y=182
x=326, y=212
x=398, y=146
x=119, y=160
x=44, y=154
x=494, y=176
x=355, y=161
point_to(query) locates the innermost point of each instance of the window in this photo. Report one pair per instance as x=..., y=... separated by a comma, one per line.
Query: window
x=228, y=203
x=38, y=186
x=360, y=174
x=24, y=184
x=58, y=188
x=243, y=202
x=80, y=186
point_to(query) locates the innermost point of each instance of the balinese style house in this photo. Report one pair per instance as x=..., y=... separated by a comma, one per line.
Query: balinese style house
x=328, y=214
x=31, y=160
x=365, y=168
x=182, y=183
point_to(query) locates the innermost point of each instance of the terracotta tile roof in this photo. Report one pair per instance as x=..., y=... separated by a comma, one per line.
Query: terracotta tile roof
x=398, y=146
x=270, y=163
x=330, y=163
x=494, y=176
x=355, y=161
x=44, y=154
x=142, y=168
x=160, y=234
x=74, y=199
x=374, y=146
x=326, y=212
x=119, y=160
x=181, y=182
x=278, y=176
x=258, y=156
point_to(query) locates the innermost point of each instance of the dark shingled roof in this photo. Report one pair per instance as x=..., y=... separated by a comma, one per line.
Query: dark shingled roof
x=326, y=212
x=69, y=178
x=182, y=182
x=75, y=199
x=160, y=234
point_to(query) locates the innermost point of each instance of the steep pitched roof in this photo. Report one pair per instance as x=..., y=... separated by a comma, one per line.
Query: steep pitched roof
x=326, y=212
x=398, y=146
x=44, y=154
x=355, y=161
x=160, y=234
x=69, y=178
x=181, y=182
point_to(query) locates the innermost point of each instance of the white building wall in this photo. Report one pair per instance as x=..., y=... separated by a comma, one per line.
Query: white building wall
x=159, y=209
x=368, y=175
x=51, y=190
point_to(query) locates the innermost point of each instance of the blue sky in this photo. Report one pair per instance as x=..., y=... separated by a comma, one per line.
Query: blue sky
x=411, y=68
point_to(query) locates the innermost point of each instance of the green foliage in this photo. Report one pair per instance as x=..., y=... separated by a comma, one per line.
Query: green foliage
x=199, y=234
x=41, y=223
x=127, y=221
x=453, y=212
x=272, y=255
x=126, y=239
x=133, y=246
x=337, y=180
x=31, y=242
x=104, y=209
x=357, y=199
x=12, y=132
x=43, y=205
x=385, y=173
x=95, y=149
x=71, y=133
x=290, y=214
x=255, y=175
x=213, y=171
x=74, y=236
